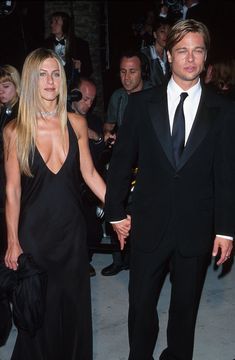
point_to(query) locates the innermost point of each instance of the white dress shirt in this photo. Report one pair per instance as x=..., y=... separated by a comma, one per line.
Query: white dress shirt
x=190, y=104
x=60, y=51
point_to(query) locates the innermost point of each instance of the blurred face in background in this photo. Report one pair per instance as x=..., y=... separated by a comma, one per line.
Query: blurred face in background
x=56, y=26
x=7, y=92
x=130, y=74
x=160, y=35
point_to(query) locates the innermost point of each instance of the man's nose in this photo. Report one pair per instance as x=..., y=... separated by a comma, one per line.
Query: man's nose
x=190, y=56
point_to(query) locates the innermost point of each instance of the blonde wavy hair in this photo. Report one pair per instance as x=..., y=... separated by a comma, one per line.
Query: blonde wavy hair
x=11, y=74
x=30, y=105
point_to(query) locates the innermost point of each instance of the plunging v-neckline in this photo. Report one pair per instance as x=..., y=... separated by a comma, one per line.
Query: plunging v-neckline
x=62, y=165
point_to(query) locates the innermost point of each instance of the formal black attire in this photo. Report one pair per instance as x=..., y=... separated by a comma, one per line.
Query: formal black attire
x=90, y=201
x=25, y=288
x=78, y=49
x=176, y=211
x=52, y=228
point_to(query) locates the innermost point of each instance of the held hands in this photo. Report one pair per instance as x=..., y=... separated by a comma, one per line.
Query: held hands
x=225, y=246
x=12, y=254
x=122, y=229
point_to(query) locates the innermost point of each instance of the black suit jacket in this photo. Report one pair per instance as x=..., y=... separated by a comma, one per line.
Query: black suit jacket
x=78, y=49
x=194, y=201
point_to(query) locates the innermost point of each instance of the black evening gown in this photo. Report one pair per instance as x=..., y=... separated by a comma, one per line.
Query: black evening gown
x=52, y=228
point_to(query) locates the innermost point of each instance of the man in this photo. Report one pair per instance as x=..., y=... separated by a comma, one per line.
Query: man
x=183, y=202
x=82, y=99
x=134, y=73
x=73, y=51
x=133, y=76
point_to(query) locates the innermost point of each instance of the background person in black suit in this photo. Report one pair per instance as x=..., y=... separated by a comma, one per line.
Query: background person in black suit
x=74, y=51
x=82, y=99
x=183, y=201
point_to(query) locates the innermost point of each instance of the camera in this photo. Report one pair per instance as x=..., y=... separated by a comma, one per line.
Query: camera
x=174, y=5
x=74, y=95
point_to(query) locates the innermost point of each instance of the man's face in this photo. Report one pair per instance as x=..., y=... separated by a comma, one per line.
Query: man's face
x=130, y=74
x=88, y=92
x=56, y=26
x=187, y=59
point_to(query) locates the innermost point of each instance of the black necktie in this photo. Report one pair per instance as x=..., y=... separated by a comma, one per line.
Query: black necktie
x=61, y=42
x=178, y=131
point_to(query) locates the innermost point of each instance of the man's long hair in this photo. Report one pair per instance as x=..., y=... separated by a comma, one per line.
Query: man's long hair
x=182, y=28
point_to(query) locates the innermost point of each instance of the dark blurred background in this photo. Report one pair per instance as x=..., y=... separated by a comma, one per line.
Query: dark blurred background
x=106, y=25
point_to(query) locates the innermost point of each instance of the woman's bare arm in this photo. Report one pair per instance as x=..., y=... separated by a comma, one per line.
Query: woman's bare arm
x=13, y=196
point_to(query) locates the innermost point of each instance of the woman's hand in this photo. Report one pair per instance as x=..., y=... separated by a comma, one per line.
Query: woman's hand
x=122, y=228
x=11, y=258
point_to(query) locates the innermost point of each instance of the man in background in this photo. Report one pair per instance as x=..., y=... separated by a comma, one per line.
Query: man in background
x=81, y=100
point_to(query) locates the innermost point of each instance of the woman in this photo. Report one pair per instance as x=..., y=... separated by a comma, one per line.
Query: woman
x=9, y=97
x=156, y=53
x=46, y=149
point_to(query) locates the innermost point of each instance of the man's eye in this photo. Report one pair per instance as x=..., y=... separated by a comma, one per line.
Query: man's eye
x=199, y=51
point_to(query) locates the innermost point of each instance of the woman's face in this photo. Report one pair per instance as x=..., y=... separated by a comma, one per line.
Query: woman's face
x=7, y=92
x=49, y=79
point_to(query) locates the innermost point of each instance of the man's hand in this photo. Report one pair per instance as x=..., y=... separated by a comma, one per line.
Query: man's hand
x=93, y=135
x=225, y=246
x=122, y=229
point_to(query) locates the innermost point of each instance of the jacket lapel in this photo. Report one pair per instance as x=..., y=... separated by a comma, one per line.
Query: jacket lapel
x=158, y=112
x=202, y=123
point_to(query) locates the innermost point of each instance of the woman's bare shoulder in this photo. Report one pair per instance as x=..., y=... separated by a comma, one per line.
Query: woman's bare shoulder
x=78, y=123
x=9, y=130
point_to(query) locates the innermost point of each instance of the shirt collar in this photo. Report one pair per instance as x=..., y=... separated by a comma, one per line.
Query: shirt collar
x=174, y=90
